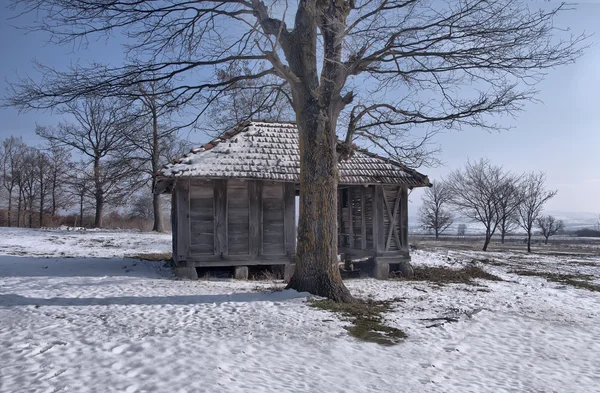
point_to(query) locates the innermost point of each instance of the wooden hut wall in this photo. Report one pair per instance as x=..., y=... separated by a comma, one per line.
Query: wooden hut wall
x=238, y=217
x=233, y=218
x=365, y=215
x=202, y=218
x=355, y=217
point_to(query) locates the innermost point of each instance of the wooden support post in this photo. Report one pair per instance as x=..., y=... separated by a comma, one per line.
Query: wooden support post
x=183, y=220
x=378, y=224
x=340, y=219
x=350, y=218
x=174, y=223
x=220, y=198
x=363, y=221
x=289, y=218
x=255, y=206
x=393, y=219
x=404, y=217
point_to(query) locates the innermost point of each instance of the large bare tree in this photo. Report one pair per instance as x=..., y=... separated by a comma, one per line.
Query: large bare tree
x=533, y=197
x=388, y=64
x=477, y=193
x=434, y=215
x=12, y=154
x=549, y=226
x=509, y=200
x=98, y=133
x=153, y=135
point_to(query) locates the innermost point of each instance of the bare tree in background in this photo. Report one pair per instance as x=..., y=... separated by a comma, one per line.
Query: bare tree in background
x=60, y=166
x=153, y=136
x=12, y=150
x=549, y=226
x=394, y=65
x=433, y=214
x=267, y=99
x=99, y=134
x=476, y=193
x=43, y=177
x=80, y=187
x=533, y=195
x=28, y=184
x=462, y=229
x=509, y=200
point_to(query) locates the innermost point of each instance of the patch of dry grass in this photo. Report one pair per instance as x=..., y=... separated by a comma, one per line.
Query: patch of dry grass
x=154, y=257
x=575, y=280
x=446, y=275
x=366, y=318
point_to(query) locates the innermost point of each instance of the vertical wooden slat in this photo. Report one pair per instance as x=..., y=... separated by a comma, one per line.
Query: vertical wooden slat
x=340, y=226
x=289, y=218
x=350, y=218
x=378, y=224
x=183, y=220
x=220, y=198
x=261, y=231
x=255, y=203
x=397, y=218
x=404, y=217
x=174, y=223
x=363, y=221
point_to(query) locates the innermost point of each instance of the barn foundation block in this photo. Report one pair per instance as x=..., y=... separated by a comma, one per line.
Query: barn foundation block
x=189, y=273
x=240, y=273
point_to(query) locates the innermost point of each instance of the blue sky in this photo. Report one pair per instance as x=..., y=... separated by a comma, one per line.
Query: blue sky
x=559, y=136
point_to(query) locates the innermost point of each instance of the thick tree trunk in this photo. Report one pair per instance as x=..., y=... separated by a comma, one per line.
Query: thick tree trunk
x=502, y=235
x=317, y=270
x=488, y=238
x=31, y=212
x=42, y=210
x=9, y=215
x=98, y=194
x=81, y=210
x=99, y=208
x=158, y=219
x=54, y=187
x=529, y=241
x=19, y=205
x=156, y=201
x=546, y=241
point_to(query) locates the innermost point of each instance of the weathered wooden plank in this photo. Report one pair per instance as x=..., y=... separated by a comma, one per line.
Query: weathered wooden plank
x=363, y=219
x=238, y=217
x=369, y=217
x=201, y=189
x=350, y=219
x=174, y=227
x=255, y=214
x=378, y=220
x=183, y=219
x=220, y=227
x=201, y=217
x=340, y=219
x=237, y=260
x=392, y=215
x=404, y=217
x=273, y=237
x=289, y=218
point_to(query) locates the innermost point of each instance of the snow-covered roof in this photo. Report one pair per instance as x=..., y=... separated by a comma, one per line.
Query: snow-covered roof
x=270, y=151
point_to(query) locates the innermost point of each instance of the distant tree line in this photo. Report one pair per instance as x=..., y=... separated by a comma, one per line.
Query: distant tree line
x=106, y=157
x=488, y=194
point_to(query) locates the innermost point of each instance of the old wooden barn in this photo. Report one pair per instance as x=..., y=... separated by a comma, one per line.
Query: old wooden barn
x=234, y=203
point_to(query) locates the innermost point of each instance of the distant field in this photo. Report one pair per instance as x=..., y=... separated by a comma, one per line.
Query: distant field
x=517, y=243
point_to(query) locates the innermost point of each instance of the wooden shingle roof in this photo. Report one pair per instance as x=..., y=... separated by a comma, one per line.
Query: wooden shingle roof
x=269, y=151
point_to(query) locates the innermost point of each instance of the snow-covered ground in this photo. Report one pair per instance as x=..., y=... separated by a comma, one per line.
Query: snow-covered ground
x=77, y=315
